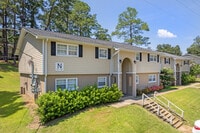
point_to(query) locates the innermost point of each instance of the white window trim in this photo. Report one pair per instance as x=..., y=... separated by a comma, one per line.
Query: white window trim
x=137, y=55
x=167, y=61
x=153, y=57
x=137, y=79
x=66, y=81
x=98, y=81
x=151, y=75
x=106, y=57
x=57, y=54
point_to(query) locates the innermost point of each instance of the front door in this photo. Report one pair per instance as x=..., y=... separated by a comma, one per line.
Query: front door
x=129, y=84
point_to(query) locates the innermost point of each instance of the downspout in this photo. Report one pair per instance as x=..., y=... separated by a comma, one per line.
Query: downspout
x=175, y=71
x=45, y=63
x=117, y=52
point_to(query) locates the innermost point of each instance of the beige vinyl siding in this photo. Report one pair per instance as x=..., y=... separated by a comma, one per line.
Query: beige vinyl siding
x=167, y=65
x=147, y=67
x=144, y=80
x=83, y=80
x=31, y=48
x=87, y=64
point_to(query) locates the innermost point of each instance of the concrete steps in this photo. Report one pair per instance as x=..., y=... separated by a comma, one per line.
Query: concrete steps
x=163, y=113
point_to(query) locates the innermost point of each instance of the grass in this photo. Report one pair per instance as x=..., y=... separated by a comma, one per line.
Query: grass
x=187, y=99
x=14, y=116
x=129, y=119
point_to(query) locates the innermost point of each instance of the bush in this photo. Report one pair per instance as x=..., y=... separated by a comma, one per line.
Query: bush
x=149, y=89
x=166, y=77
x=187, y=78
x=56, y=104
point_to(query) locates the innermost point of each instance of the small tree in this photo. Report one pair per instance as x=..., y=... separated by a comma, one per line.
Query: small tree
x=166, y=77
x=195, y=70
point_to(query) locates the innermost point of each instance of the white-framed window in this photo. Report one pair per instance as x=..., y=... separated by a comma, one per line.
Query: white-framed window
x=137, y=80
x=152, y=57
x=61, y=49
x=103, y=53
x=152, y=78
x=73, y=50
x=66, y=83
x=102, y=81
x=66, y=49
x=167, y=61
x=137, y=56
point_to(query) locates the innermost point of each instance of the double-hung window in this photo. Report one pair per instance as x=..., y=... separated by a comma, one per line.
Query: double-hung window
x=67, y=50
x=103, y=53
x=68, y=83
x=102, y=81
x=61, y=49
x=152, y=78
x=138, y=57
x=152, y=57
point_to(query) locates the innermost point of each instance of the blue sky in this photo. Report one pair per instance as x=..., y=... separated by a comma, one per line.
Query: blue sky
x=175, y=22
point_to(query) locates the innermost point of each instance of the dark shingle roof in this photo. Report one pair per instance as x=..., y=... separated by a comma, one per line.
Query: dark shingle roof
x=41, y=34
x=55, y=35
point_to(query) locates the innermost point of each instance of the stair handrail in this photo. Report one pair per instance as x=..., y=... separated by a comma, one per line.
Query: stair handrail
x=168, y=104
x=158, y=110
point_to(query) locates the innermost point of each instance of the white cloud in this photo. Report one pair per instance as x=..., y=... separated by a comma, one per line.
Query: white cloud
x=165, y=34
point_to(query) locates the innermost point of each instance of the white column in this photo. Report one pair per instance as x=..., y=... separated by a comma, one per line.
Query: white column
x=175, y=71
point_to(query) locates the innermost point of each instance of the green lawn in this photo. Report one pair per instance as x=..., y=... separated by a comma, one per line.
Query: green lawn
x=188, y=99
x=14, y=116
x=130, y=119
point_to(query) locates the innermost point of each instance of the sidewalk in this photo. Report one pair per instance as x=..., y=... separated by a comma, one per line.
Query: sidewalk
x=128, y=100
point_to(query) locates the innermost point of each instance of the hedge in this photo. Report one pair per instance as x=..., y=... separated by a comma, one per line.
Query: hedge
x=52, y=105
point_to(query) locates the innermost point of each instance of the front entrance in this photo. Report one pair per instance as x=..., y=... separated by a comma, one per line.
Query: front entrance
x=127, y=77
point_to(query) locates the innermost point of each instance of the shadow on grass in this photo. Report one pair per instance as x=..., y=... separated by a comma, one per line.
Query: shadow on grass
x=10, y=103
x=7, y=67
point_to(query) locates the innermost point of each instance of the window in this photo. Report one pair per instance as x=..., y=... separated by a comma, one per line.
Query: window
x=73, y=50
x=167, y=60
x=69, y=83
x=152, y=57
x=102, y=81
x=67, y=50
x=152, y=78
x=103, y=53
x=61, y=49
x=138, y=56
x=186, y=62
x=137, y=79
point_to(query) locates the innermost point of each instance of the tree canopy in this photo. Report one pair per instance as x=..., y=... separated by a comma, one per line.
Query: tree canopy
x=195, y=47
x=66, y=16
x=169, y=49
x=130, y=28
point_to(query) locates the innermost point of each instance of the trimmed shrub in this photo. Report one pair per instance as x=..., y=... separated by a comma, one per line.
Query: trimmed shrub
x=187, y=78
x=56, y=104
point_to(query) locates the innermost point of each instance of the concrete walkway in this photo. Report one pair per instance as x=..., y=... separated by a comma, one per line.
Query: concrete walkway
x=138, y=100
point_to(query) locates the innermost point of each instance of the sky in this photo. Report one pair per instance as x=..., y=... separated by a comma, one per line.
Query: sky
x=174, y=22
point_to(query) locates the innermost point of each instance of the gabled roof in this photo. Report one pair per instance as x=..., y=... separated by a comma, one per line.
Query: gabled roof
x=191, y=56
x=174, y=56
x=41, y=34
